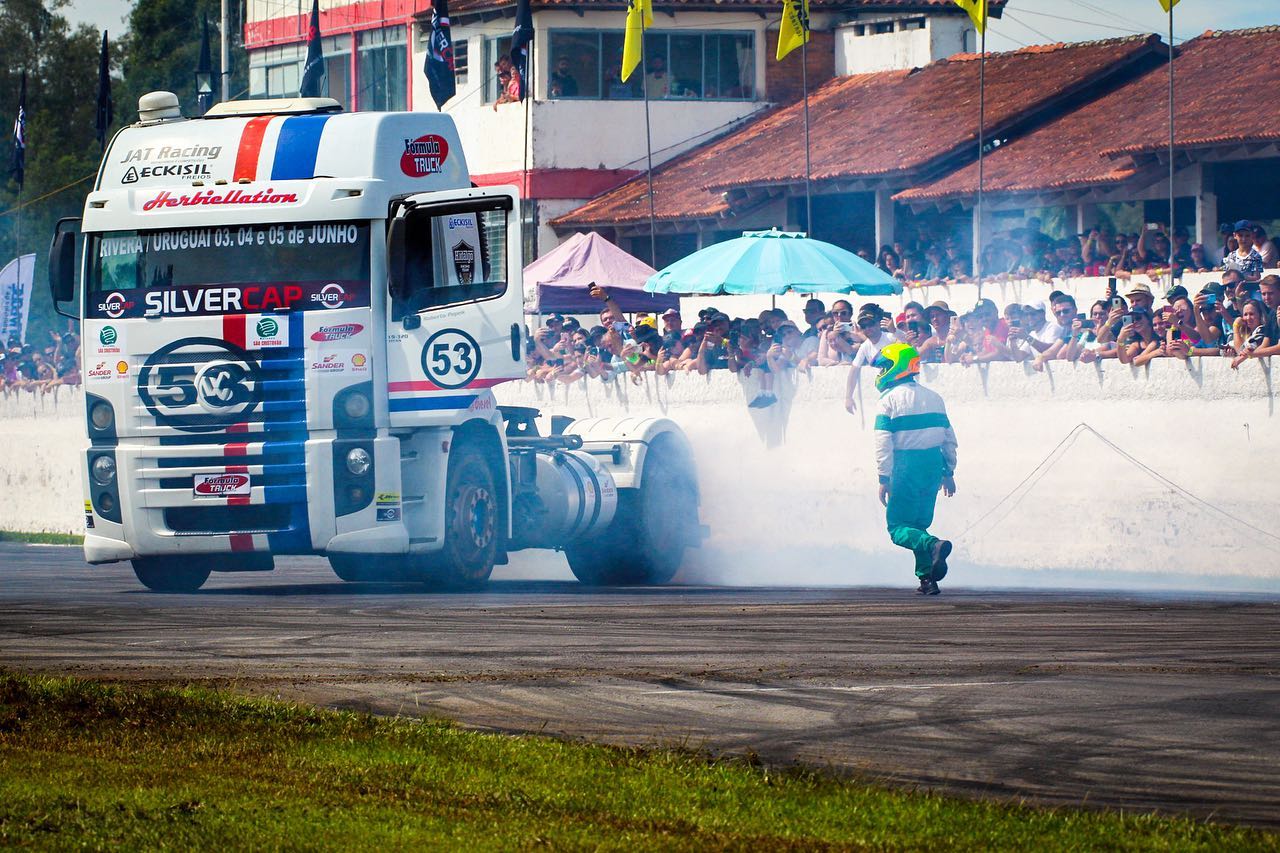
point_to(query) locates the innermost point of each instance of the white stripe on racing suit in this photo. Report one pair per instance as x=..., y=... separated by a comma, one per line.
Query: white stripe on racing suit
x=912, y=417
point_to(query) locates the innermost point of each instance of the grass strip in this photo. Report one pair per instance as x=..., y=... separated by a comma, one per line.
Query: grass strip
x=84, y=764
x=41, y=538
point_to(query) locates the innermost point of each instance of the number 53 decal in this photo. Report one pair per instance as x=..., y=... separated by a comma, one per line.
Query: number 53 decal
x=451, y=358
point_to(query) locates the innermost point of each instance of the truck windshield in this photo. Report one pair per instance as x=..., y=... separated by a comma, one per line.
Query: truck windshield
x=228, y=268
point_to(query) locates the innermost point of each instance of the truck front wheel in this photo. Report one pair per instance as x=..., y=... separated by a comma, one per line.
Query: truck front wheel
x=171, y=574
x=472, y=519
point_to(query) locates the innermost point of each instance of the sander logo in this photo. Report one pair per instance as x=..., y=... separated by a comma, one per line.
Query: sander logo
x=424, y=156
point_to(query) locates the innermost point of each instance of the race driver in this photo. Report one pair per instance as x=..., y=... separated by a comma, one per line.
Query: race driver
x=915, y=457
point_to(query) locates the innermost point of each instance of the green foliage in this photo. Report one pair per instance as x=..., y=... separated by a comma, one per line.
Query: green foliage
x=159, y=51
x=94, y=766
x=61, y=64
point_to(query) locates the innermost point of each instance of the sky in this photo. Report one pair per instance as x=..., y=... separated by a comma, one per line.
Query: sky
x=1025, y=21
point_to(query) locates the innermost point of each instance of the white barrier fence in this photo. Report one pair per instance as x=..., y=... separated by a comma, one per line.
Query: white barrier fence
x=960, y=297
x=1170, y=484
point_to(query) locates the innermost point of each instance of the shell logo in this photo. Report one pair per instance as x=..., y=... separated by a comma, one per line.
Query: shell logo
x=358, y=360
x=122, y=367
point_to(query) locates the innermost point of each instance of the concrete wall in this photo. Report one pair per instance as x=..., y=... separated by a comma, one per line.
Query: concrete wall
x=942, y=36
x=789, y=492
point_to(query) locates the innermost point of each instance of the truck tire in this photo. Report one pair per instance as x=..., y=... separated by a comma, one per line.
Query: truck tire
x=654, y=524
x=471, y=522
x=171, y=574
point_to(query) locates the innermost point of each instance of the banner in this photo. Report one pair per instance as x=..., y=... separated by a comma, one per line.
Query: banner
x=794, y=30
x=15, y=297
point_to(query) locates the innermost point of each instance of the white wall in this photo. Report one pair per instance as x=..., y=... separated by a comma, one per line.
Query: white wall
x=789, y=492
x=941, y=37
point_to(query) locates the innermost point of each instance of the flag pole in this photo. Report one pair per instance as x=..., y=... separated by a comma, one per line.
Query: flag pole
x=1171, y=169
x=225, y=58
x=982, y=122
x=808, y=167
x=648, y=147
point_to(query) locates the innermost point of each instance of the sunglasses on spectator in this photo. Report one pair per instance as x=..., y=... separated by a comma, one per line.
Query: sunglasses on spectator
x=848, y=313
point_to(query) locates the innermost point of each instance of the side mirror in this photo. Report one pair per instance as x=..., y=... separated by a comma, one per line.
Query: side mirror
x=62, y=265
x=396, y=284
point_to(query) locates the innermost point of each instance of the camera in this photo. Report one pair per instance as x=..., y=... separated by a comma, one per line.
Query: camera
x=1175, y=334
x=1086, y=324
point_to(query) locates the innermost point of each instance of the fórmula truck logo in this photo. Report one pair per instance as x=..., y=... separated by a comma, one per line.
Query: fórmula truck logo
x=424, y=156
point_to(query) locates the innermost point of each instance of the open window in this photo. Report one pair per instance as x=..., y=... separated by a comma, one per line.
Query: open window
x=454, y=253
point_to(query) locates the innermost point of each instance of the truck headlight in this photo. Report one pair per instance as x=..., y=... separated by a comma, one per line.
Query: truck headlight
x=102, y=416
x=103, y=470
x=356, y=406
x=359, y=461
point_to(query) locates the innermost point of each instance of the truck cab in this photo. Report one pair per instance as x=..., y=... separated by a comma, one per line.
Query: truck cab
x=293, y=321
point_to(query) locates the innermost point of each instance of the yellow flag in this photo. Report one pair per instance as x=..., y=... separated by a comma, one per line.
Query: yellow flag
x=639, y=18
x=977, y=10
x=1168, y=4
x=795, y=26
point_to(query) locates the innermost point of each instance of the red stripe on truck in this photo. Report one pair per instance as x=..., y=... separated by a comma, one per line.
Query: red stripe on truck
x=250, y=147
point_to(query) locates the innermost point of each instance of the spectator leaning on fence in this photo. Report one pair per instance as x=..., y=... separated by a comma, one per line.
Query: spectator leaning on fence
x=1246, y=259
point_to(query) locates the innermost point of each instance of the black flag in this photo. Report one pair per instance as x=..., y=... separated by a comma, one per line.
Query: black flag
x=20, y=136
x=313, y=72
x=521, y=38
x=204, y=71
x=106, y=112
x=439, y=65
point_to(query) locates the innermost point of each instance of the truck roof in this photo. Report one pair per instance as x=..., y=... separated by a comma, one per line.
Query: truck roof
x=294, y=140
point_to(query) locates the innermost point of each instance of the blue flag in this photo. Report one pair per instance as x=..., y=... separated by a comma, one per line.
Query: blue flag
x=313, y=71
x=20, y=136
x=439, y=66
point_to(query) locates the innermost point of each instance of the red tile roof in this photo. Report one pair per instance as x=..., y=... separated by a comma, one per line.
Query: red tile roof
x=1100, y=143
x=893, y=124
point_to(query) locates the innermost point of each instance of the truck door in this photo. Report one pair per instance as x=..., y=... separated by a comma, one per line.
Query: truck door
x=455, y=324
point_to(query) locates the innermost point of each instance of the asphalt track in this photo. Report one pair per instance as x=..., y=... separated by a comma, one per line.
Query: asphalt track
x=1168, y=703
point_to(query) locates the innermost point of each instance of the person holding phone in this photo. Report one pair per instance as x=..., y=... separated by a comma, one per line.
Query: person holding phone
x=915, y=459
x=1137, y=342
x=876, y=338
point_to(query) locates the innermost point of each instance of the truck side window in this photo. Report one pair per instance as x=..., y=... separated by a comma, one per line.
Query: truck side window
x=453, y=256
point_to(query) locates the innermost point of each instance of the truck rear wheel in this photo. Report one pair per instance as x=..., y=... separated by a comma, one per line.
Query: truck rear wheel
x=654, y=524
x=171, y=574
x=472, y=519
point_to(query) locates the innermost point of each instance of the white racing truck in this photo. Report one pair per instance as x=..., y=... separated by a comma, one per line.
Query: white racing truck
x=293, y=320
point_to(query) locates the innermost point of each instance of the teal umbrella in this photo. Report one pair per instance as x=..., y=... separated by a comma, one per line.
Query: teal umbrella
x=772, y=262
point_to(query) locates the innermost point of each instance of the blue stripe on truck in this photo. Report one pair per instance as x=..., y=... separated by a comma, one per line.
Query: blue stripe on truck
x=297, y=148
x=426, y=404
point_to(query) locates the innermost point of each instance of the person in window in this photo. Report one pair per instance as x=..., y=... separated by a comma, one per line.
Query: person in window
x=563, y=83
x=657, y=83
x=508, y=82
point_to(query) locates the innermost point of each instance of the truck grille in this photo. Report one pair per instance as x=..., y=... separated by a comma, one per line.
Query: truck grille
x=262, y=432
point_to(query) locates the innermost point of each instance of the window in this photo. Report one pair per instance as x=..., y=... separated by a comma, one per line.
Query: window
x=913, y=24
x=276, y=72
x=383, y=72
x=454, y=253
x=680, y=65
x=495, y=49
x=460, y=61
x=884, y=27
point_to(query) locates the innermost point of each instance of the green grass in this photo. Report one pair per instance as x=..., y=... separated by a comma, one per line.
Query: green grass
x=90, y=765
x=41, y=538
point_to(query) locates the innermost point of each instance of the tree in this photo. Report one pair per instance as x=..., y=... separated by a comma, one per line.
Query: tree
x=62, y=155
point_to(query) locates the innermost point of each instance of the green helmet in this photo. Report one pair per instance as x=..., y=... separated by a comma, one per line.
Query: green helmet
x=898, y=363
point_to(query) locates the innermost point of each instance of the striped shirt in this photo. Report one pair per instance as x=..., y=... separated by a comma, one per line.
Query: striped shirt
x=912, y=417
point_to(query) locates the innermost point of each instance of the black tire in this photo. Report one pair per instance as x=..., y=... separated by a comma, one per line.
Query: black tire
x=472, y=522
x=645, y=542
x=171, y=574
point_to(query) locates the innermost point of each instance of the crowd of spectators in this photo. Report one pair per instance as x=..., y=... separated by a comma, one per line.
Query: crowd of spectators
x=1237, y=318
x=1027, y=252
x=31, y=368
